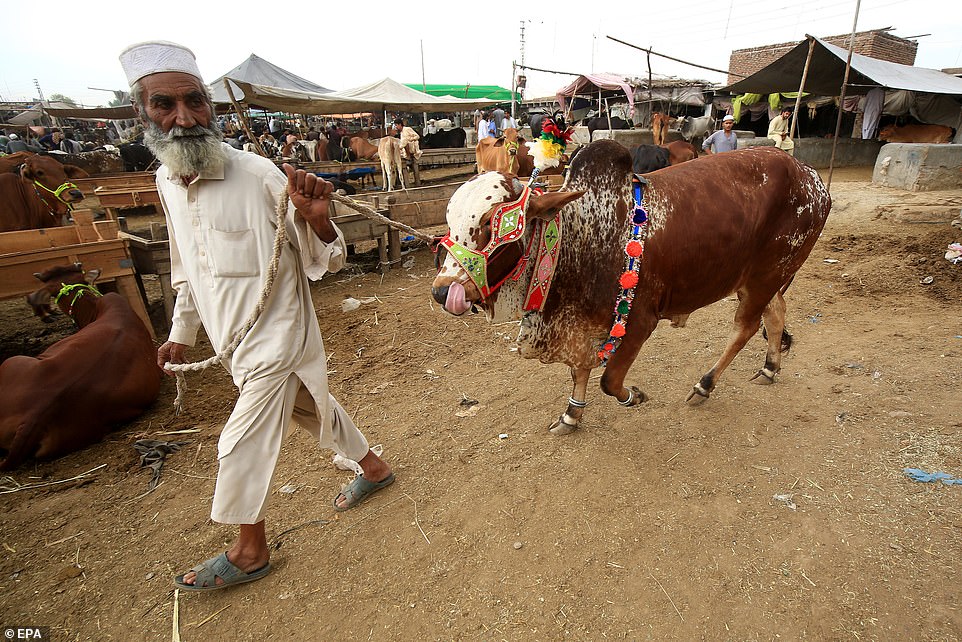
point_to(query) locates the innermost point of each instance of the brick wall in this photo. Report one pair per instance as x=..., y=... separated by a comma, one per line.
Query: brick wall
x=875, y=44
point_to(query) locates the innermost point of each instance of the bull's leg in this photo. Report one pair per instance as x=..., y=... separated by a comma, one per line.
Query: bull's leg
x=386, y=181
x=774, y=316
x=568, y=422
x=748, y=318
x=401, y=170
x=613, y=380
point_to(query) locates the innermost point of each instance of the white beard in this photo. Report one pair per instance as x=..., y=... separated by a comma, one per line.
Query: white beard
x=186, y=152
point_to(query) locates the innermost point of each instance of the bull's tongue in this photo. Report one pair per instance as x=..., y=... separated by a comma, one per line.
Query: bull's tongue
x=456, y=303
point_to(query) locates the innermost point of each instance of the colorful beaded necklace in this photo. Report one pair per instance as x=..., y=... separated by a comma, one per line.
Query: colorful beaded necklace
x=634, y=251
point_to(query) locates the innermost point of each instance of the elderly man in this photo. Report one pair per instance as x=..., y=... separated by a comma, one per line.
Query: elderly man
x=778, y=131
x=724, y=140
x=220, y=206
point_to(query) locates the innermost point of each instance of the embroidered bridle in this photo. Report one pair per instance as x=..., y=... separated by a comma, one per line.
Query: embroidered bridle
x=508, y=223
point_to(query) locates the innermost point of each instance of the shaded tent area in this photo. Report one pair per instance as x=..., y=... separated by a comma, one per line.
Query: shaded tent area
x=632, y=98
x=598, y=92
x=257, y=71
x=383, y=95
x=926, y=95
x=491, y=92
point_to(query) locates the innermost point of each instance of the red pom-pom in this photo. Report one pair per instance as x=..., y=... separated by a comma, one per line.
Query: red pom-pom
x=618, y=330
x=634, y=249
x=628, y=280
x=601, y=355
x=609, y=347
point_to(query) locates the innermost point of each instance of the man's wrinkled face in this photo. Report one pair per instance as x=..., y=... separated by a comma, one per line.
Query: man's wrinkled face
x=180, y=123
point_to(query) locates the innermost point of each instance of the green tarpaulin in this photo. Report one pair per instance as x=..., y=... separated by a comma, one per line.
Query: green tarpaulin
x=492, y=92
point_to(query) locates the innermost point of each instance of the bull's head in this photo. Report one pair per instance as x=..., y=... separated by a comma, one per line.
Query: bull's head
x=51, y=178
x=487, y=238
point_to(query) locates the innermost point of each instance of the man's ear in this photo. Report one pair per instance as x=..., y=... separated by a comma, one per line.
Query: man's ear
x=550, y=203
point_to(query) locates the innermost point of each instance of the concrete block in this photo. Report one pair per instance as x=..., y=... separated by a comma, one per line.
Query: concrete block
x=919, y=167
x=755, y=141
x=627, y=137
x=851, y=152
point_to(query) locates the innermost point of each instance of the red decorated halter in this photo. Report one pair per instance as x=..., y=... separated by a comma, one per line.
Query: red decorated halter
x=508, y=224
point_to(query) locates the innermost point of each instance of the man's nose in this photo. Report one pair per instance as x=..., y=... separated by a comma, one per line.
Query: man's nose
x=184, y=117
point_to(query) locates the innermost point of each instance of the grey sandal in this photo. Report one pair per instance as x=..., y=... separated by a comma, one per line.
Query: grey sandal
x=208, y=572
x=359, y=489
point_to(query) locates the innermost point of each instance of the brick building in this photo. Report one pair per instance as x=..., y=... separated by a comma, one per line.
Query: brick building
x=877, y=43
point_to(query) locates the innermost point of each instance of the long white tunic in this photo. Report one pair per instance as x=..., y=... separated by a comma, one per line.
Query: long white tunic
x=222, y=228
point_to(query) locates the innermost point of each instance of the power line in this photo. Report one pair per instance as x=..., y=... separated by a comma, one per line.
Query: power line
x=684, y=62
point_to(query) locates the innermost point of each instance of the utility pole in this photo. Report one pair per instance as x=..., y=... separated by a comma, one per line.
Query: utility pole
x=43, y=115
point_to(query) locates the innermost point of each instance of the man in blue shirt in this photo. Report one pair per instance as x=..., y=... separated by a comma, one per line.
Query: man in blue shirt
x=723, y=140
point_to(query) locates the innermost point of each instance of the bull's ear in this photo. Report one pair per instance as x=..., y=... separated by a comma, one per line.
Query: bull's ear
x=92, y=275
x=26, y=172
x=72, y=171
x=550, y=203
x=37, y=275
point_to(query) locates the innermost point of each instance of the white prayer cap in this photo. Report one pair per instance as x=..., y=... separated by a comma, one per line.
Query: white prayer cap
x=156, y=56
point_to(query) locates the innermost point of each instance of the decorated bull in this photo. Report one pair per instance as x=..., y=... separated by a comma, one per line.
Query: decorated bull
x=590, y=270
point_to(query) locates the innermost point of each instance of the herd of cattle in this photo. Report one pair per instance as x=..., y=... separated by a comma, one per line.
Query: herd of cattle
x=708, y=237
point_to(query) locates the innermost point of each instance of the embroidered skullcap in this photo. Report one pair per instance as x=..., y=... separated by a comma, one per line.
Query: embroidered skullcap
x=156, y=56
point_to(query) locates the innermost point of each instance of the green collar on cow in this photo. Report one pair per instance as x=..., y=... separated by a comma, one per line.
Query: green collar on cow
x=57, y=192
x=78, y=289
x=634, y=251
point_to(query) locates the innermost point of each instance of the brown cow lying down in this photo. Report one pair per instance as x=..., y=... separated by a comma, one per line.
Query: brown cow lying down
x=83, y=386
x=708, y=236
x=916, y=134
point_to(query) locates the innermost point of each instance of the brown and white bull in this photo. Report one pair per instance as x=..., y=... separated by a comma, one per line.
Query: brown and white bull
x=83, y=386
x=738, y=223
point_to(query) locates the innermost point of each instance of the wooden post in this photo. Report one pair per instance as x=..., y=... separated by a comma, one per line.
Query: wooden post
x=801, y=87
x=243, y=121
x=841, y=98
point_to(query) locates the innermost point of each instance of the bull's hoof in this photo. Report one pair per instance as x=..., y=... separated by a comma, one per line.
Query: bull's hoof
x=697, y=396
x=564, y=425
x=764, y=377
x=635, y=397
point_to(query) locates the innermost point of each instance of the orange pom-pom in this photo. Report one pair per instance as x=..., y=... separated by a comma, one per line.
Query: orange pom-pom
x=618, y=330
x=628, y=280
x=634, y=249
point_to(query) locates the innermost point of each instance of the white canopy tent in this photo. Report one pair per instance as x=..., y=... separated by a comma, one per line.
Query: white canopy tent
x=383, y=95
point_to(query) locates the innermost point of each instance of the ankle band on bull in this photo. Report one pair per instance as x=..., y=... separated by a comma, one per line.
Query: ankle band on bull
x=634, y=251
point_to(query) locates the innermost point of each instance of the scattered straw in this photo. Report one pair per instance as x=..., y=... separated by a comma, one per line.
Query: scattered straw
x=17, y=487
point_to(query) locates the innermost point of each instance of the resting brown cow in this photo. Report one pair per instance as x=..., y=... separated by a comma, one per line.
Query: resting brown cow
x=709, y=236
x=507, y=154
x=680, y=151
x=40, y=196
x=916, y=134
x=83, y=386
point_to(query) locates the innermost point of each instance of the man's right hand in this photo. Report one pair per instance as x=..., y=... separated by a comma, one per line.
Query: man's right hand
x=171, y=352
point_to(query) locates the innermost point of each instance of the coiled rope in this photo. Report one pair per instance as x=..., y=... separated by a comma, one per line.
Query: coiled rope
x=280, y=238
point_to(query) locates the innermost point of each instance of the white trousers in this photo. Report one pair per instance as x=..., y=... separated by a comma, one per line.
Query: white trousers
x=788, y=144
x=265, y=414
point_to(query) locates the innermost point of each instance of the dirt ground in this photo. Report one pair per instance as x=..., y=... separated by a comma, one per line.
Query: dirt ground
x=656, y=522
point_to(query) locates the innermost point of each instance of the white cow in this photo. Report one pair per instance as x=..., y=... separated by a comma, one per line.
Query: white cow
x=389, y=151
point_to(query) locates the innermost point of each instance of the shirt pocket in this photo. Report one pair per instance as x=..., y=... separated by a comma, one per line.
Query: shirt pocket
x=233, y=253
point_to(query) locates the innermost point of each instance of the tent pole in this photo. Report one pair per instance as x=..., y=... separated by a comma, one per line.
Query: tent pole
x=841, y=98
x=608, y=112
x=801, y=87
x=243, y=121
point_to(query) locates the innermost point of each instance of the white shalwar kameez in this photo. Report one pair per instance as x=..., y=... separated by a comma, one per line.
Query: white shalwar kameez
x=224, y=225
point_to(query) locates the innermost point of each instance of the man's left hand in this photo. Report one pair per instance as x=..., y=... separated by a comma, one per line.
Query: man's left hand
x=311, y=197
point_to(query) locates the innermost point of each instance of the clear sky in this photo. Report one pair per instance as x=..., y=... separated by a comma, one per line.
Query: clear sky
x=69, y=47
